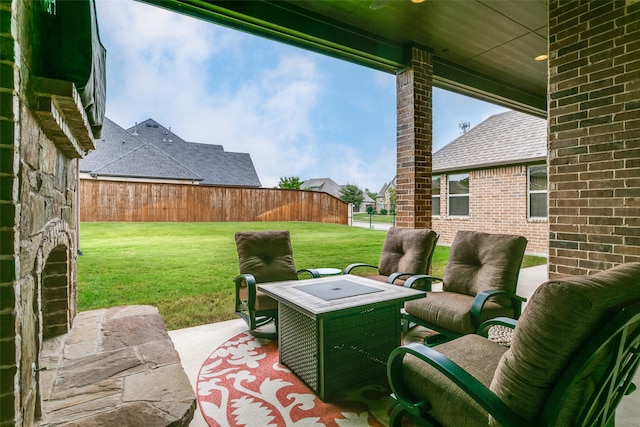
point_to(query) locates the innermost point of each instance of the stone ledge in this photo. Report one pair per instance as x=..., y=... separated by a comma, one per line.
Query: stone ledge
x=58, y=108
x=116, y=366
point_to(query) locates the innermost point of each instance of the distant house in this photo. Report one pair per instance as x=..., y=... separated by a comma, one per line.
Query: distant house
x=149, y=152
x=383, y=198
x=329, y=186
x=493, y=178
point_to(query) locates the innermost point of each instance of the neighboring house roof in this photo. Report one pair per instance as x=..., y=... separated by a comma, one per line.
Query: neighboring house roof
x=367, y=199
x=322, y=184
x=329, y=186
x=383, y=190
x=503, y=139
x=149, y=150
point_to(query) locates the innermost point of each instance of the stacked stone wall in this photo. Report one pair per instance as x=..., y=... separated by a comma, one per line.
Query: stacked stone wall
x=594, y=135
x=37, y=215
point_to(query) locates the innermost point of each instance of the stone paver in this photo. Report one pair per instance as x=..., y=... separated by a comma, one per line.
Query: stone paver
x=116, y=366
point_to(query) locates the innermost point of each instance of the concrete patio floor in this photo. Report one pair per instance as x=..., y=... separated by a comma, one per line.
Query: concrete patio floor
x=195, y=344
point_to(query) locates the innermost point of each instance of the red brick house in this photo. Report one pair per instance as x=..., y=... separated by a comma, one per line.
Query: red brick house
x=493, y=178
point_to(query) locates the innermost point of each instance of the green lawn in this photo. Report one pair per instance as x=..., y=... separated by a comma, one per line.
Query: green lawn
x=379, y=219
x=186, y=269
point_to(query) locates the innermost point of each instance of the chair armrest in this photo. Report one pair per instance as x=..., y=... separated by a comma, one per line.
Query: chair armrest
x=356, y=265
x=482, y=297
x=314, y=273
x=392, y=278
x=458, y=376
x=483, y=330
x=250, y=282
x=421, y=277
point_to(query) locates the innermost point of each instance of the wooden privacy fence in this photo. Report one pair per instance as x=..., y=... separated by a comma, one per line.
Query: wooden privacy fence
x=115, y=201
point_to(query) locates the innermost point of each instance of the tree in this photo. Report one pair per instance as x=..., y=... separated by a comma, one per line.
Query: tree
x=392, y=195
x=370, y=193
x=290, y=182
x=392, y=200
x=350, y=193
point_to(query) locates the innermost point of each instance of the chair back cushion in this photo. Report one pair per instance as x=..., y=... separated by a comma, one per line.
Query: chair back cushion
x=407, y=250
x=558, y=320
x=482, y=261
x=267, y=255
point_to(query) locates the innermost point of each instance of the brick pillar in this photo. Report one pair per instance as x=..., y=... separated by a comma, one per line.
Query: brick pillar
x=594, y=135
x=414, y=140
x=8, y=220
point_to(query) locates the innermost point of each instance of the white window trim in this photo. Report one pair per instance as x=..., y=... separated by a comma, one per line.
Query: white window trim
x=439, y=196
x=449, y=196
x=530, y=192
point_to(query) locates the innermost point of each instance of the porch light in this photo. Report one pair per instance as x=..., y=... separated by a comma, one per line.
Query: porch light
x=539, y=57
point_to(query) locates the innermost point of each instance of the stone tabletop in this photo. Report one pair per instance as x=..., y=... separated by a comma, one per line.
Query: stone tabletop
x=370, y=292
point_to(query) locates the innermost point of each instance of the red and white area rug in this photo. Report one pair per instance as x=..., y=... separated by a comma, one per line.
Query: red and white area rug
x=242, y=384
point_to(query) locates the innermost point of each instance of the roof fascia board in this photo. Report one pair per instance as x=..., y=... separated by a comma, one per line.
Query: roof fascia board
x=284, y=22
x=527, y=161
x=453, y=77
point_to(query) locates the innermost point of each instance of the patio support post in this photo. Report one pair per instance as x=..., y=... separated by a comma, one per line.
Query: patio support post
x=414, y=141
x=594, y=136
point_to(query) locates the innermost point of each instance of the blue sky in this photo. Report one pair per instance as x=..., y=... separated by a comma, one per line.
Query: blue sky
x=295, y=112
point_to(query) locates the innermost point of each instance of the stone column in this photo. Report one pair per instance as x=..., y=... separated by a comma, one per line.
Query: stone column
x=414, y=141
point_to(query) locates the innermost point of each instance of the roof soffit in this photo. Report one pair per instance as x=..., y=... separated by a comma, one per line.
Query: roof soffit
x=482, y=48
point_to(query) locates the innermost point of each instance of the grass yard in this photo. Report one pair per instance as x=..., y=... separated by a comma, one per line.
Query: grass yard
x=186, y=269
x=377, y=219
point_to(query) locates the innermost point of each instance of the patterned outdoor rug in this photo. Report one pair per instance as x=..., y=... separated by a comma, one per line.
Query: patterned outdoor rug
x=242, y=384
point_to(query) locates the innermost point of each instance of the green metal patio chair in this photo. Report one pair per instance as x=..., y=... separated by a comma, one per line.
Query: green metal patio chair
x=263, y=256
x=572, y=357
x=405, y=252
x=480, y=282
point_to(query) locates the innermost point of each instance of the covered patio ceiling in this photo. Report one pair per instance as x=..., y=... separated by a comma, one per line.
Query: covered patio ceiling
x=481, y=48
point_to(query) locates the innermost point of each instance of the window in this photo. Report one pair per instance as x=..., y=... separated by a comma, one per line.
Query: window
x=459, y=195
x=537, y=177
x=435, y=195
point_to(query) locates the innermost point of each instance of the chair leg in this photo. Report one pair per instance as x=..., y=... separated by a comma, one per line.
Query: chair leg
x=262, y=321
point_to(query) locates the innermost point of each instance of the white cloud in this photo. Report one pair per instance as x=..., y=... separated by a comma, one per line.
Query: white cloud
x=161, y=65
x=295, y=113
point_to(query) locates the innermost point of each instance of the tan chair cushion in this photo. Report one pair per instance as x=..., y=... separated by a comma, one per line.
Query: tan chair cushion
x=560, y=317
x=406, y=250
x=452, y=311
x=451, y=407
x=267, y=255
x=263, y=301
x=482, y=261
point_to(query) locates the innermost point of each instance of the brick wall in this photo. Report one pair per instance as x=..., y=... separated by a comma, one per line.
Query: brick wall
x=8, y=246
x=413, y=180
x=497, y=204
x=594, y=135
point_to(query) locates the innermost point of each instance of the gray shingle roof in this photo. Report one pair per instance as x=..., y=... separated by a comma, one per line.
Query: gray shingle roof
x=326, y=185
x=150, y=150
x=502, y=139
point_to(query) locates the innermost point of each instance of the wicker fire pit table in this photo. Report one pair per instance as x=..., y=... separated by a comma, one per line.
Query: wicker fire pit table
x=337, y=332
